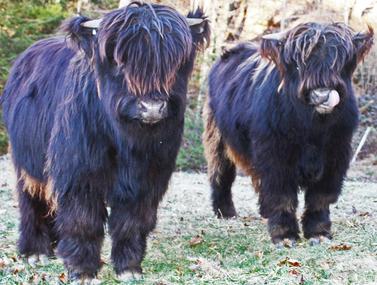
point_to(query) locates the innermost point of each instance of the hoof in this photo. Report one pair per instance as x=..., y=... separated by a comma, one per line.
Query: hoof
x=129, y=276
x=43, y=260
x=318, y=240
x=86, y=281
x=226, y=213
x=35, y=260
x=82, y=279
x=287, y=242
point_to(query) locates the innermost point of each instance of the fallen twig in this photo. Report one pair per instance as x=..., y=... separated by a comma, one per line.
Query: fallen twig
x=364, y=108
x=361, y=144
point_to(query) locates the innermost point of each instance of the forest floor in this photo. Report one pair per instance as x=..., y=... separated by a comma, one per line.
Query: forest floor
x=191, y=246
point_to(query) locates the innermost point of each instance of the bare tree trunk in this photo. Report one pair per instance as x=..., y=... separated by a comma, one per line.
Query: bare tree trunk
x=237, y=15
x=78, y=7
x=241, y=26
x=233, y=12
x=346, y=13
x=228, y=19
x=205, y=59
x=283, y=22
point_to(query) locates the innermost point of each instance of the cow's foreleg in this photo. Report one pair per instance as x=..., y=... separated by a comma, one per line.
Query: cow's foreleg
x=80, y=222
x=278, y=203
x=319, y=195
x=129, y=225
x=316, y=221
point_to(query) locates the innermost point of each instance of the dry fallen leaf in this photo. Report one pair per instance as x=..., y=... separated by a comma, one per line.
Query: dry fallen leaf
x=17, y=269
x=294, y=272
x=196, y=240
x=247, y=219
x=34, y=279
x=259, y=254
x=102, y=262
x=6, y=261
x=290, y=262
x=62, y=277
x=341, y=246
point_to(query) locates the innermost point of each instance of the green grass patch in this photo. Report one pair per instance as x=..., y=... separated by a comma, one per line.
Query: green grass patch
x=22, y=23
x=191, y=154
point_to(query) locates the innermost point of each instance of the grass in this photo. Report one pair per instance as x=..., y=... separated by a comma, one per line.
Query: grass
x=22, y=23
x=191, y=154
x=230, y=252
x=3, y=136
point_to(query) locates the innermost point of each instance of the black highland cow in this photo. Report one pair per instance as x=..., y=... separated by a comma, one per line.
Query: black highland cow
x=96, y=119
x=285, y=111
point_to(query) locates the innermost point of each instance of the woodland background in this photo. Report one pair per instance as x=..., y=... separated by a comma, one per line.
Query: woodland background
x=25, y=21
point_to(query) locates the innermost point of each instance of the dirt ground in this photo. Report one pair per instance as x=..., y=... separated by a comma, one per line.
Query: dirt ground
x=191, y=246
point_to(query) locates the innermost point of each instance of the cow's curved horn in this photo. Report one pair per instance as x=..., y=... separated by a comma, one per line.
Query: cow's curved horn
x=275, y=36
x=194, y=21
x=92, y=24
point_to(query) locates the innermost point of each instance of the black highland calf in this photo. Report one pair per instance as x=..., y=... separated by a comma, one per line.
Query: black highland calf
x=95, y=119
x=284, y=111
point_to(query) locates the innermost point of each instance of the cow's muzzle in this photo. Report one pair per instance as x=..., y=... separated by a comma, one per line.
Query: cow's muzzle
x=152, y=112
x=324, y=100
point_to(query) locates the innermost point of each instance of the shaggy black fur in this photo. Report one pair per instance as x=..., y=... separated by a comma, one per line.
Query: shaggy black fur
x=259, y=117
x=72, y=109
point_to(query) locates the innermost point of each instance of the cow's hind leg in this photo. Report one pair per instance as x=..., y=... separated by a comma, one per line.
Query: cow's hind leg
x=37, y=237
x=221, y=170
x=129, y=225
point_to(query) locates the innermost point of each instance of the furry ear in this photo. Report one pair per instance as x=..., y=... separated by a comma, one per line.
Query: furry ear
x=362, y=43
x=201, y=31
x=79, y=37
x=272, y=45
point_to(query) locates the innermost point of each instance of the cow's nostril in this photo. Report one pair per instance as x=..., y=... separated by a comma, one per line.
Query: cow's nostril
x=319, y=96
x=162, y=108
x=143, y=106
